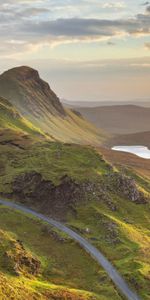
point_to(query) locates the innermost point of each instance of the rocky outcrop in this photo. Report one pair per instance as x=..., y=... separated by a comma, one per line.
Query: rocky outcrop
x=43, y=194
x=16, y=259
x=22, y=263
x=127, y=187
x=56, y=200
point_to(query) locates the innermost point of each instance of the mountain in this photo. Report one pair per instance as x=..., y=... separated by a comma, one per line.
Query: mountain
x=120, y=119
x=76, y=104
x=35, y=100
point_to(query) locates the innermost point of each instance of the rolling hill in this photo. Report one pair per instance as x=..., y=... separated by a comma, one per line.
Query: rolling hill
x=35, y=100
x=75, y=104
x=140, y=138
x=118, y=119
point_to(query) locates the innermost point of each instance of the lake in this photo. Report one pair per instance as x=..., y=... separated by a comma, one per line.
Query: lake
x=140, y=151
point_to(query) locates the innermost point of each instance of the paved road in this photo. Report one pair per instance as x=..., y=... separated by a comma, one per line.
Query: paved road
x=119, y=282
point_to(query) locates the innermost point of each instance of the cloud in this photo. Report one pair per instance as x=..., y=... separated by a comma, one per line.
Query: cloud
x=79, y=28
x=146, y=3
x=28, y=26
x=114, y=5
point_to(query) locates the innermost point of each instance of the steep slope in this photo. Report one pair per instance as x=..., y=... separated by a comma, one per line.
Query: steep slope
x=11, y=119
x=119, y=119
x=35, y=100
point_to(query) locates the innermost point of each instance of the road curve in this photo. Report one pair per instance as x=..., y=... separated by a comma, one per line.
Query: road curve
x=119, y=282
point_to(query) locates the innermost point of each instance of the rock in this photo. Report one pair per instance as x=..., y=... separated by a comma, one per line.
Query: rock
x=127, y=187
x=43, y=194
x=19, y=261
x=49, y=231
x=112, y=234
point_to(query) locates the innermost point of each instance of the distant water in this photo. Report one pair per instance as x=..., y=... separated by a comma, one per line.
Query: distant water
x=140, y=151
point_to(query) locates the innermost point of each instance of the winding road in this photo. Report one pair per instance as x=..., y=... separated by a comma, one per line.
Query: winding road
x=119, y=282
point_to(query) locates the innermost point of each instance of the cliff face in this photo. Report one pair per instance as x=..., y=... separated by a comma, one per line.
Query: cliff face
x=29, y=93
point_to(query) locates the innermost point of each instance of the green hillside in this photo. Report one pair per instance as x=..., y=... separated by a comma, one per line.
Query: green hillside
x=75, y=184
x=34, y=265
x=11, y=119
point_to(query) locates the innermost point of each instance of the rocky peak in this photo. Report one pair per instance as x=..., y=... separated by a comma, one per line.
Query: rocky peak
x=22, y=73
x=24, y=88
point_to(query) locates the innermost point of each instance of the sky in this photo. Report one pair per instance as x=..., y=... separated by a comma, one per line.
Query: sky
x=89, y=50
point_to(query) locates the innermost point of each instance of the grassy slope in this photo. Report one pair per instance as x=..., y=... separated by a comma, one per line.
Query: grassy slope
x=11, y=119
x=52, y=160
x=123, y=235
x=129, y=161
x=71, y=128
x=62, y=276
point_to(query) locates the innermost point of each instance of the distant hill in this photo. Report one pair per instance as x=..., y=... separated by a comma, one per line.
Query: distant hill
x=140, y=138
x=119, y=119
x=74, y=104
x=35, y=100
